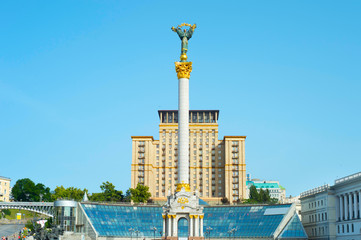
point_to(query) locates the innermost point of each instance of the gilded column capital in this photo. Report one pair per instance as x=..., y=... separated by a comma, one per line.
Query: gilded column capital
x=183, y=69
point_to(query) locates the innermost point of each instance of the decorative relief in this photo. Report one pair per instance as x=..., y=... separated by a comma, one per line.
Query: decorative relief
x=183, y=69
x=183, y=200
x=186, y=186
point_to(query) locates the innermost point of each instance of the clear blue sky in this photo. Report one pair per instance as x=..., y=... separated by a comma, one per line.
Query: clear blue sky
x=79, y=78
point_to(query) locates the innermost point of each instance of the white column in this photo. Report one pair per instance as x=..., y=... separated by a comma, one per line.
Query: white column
x=201, y=234
x=191, y=227
x=183, y=130
x=196, y=227
x=164, y=222
x=355, y=204
x=359, y=202
x=175, y=227
x=345, y=206
x=169, y=227
x=341, y=208
x=350, y=205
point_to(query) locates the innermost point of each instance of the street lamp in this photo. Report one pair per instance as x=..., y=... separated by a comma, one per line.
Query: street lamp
x=137, y=232
x=154, y=230
x=234, y=230
x=208, y=232
x=131, y=230
x=229, y=233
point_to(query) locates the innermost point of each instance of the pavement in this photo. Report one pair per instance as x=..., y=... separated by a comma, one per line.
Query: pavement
x=8, y=230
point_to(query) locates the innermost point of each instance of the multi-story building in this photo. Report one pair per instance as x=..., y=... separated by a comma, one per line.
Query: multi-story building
x=217, y=167
x=5, y=189
x=318, y=210
x=348, y=208
x=274, y=188
x=333, y=212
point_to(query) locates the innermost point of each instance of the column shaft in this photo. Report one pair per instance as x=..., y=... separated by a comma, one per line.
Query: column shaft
x=355, y=204
x=164, y=222
x=183, y=130
x=340, y=212
x=169, y=233
x=191, y=234
x=359, y=203
x=350, y=205
x=345, y=206
x=175, y=227
x=201, y=228
x=196, y=227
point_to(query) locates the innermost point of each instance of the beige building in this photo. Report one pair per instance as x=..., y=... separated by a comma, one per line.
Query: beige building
x=217, y=167
x=5, y=189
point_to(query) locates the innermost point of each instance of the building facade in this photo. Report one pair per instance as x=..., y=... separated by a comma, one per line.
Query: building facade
x=348, y=206
x=217, y=167
x=333, y=212
x=274, y=188
x=5, y=189
x=318, y=210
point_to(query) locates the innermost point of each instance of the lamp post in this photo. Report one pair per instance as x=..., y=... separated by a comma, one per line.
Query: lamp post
x=154, y=230
x=229, y=233
x=208, y=232
x=131, y=230
x=234, y=230
x=137, y=232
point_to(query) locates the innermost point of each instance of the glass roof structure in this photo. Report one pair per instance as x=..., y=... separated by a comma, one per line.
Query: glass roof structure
x=249, y=221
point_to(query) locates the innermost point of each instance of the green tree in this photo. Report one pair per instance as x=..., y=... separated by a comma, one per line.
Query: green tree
x=68, y=193
x=140, y=193
x=253, y=194
x=128, y=196
x=109, y=193
x=25, y=190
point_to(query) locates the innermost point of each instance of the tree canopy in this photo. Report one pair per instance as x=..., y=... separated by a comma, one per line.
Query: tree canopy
x=68, y=193
x=263, y=196
x=25, y=190
x=109, y=193
x=140, y=193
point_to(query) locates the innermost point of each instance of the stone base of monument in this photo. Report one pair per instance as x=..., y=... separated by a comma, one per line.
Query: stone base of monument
x=183, y=205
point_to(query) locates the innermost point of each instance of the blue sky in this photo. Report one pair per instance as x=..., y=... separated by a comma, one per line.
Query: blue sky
x=79, y=78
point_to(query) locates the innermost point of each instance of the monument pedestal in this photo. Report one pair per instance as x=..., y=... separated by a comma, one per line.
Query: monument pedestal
x=183, y=204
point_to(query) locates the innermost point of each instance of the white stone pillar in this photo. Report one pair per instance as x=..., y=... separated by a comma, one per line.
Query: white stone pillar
x=191, y=234
x=359, y=203
x=175, y=227
x=196, y=227
x=169, y=226
x=350, y=205
x=355, y=204
x=183, y=130
x=201, y=234
x=340, y=212
x=164, y=222
x=345, y=206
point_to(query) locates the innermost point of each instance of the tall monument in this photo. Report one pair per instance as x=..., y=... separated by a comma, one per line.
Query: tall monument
x=183, y=204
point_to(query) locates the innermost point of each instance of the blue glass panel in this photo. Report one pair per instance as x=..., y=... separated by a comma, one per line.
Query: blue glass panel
x=225, y=221
x=293, y=229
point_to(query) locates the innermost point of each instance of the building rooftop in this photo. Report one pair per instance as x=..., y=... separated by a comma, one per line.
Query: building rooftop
x=263, y=184
x=5, y=178
x=195, y=116
x=315, y=190
x=348, y=178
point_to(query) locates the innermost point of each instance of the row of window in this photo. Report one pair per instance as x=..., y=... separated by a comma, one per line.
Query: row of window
x=318, y=217
x=320, y=231
x=315, y=204
x=345, y=228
